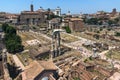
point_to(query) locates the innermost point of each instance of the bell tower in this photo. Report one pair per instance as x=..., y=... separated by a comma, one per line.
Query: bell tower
x=31, y=6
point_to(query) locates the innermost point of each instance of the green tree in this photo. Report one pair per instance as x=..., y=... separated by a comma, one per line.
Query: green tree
x=109, y=29
x=117, y=34
x=92, y=21
x=4, y=26
x=76, y=78
x=97, y=31
x=10, y=30
x=110, y=22
x=100, y=22
x=68, y=30
x=12, y=40
x=116, y=20
x=101, y=29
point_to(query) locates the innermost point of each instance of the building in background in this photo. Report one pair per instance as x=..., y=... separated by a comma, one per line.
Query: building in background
x=32, y=17
x=2, y=17
x=42, y=70
x=75, y=24
x=54, y=23
x=57, y=11
x=8, y=17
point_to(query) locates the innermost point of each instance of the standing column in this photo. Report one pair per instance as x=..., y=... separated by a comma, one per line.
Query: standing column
x=59, y=51
x=56, y=45
x=52, y=48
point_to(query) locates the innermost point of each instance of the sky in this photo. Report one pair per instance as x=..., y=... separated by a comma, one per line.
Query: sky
x=74, y=6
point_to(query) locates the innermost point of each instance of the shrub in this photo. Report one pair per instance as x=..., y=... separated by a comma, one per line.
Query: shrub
x=12, y=40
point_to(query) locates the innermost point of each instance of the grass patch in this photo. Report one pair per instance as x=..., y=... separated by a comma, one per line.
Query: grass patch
x=68, y=38
x=26, y=37
x=24, y=58
x=97, y=73
x=114, y=54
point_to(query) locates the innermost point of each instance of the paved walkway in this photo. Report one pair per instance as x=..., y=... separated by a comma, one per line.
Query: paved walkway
x=116, y=63
x=102, y=54
x=85, y=52
x=18, y=62
x=83, y=39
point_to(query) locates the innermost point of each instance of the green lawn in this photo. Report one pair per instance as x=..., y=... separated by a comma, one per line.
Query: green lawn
x=67, y=38
x=23, y=57
x=114, y=54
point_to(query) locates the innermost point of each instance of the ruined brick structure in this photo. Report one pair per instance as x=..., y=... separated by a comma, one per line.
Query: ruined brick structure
x=32, y=17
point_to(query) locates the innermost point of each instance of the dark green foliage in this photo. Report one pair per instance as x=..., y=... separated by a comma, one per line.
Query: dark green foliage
x=92, y=21
x=4, y=27
x=85, y=60
x=10, y=30
x=111, y=22
x=12, y=40
x=117, y=34
x=98, y=32
x=109, y=29
x=34, y=27
x=116, y=20
x=101, y=29
x=13, y=37
x=90, y=58
x=96, y=36
x=51, y=16
x=76, y=78
x=67, y=29
x=100, y=22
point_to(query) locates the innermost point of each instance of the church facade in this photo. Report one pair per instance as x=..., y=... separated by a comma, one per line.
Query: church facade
x=32, y=17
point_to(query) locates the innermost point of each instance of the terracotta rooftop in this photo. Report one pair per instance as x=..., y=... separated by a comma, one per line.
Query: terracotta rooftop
x=75, y=19
x=48, y=65
x=35, y=52
x=35, y=68
x=30, y=12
